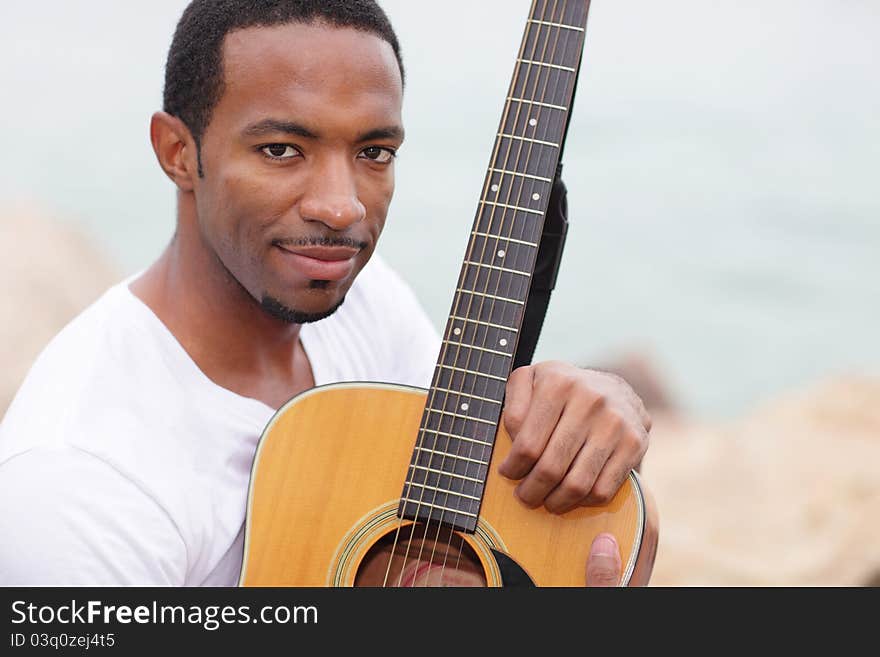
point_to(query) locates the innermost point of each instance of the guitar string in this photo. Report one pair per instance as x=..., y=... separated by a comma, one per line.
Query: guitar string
x=444, y=352
x=534, y=115
x=522, y=189
x=482, y=257
x=529, y=114
x=510, y=191
x=498, y=241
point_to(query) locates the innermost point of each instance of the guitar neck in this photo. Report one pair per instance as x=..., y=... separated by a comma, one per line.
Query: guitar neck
x=450, y=462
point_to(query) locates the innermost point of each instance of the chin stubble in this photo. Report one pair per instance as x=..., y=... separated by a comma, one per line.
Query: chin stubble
x=292, y=316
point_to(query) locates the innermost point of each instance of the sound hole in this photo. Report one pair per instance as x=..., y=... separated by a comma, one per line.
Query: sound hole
x=423, y=555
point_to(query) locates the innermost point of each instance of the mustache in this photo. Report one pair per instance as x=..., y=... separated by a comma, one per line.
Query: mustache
x=322, y=240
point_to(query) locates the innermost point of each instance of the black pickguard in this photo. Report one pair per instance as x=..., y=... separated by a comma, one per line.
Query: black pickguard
x=512, y=573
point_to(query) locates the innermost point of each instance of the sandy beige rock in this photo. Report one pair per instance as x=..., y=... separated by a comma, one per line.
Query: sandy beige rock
x=50, y=272
x=787, y=496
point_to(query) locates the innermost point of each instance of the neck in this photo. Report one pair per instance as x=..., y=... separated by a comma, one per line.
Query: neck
x=220, y=325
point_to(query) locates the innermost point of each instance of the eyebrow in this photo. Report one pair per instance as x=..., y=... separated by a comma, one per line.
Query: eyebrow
x=390, y=132
x=274, y=126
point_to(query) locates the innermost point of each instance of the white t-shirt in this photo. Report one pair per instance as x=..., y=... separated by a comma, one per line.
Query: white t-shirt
x=121, y=463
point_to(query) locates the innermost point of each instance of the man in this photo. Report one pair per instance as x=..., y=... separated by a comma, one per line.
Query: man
x=129, y=446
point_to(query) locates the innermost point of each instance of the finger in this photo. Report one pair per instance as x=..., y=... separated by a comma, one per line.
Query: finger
x=574, y=490
x=614, y=472
x=540, y=419
x=517, y=396
x=549, y=472
x=604, y=564
x=587, y=466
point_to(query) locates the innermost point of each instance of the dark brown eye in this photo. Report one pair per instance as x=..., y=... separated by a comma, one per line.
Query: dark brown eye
x=378, y=154
x=279, y=151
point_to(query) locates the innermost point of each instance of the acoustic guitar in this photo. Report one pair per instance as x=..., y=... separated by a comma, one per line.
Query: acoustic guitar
x=385, y=485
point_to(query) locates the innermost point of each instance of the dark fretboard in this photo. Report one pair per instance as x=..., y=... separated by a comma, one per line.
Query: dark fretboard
x=449, y=466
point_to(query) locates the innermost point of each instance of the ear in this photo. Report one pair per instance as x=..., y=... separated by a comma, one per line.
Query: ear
x=175, y=149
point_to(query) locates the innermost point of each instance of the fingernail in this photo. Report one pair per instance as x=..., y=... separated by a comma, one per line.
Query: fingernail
x=605, y=546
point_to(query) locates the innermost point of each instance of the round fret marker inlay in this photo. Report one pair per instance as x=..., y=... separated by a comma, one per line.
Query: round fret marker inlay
x=456, y=331
x=494, y=188
x=502, y=253
x=533, y=122
x=502, y=342
x=464, y=407
x=536, y=196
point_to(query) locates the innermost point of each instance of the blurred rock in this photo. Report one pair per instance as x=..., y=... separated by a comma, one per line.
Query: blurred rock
x=787, y=496
x=50, y=272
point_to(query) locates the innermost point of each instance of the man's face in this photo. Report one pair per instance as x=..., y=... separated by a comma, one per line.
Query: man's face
x=298, y=162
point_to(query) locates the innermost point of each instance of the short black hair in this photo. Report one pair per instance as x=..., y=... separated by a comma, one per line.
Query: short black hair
x=194, y=69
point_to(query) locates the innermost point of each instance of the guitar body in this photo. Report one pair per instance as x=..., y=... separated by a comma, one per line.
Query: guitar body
x=327, y=481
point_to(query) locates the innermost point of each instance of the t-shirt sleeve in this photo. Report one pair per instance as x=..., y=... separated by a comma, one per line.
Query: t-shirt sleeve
x=68, y=518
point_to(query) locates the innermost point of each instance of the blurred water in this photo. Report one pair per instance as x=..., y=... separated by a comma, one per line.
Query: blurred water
x=721, y=166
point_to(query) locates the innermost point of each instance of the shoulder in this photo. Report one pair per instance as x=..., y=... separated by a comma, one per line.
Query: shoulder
x=55, y=380
x=58, y=531
x=93, y=380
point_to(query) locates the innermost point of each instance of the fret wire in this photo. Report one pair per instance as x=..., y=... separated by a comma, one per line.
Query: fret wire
x=497, y=268
x=463, y=417
x=510, y=152
x=532, y=59
x=482, y=323
x=515, y=208
x=469, y=261
x=563, y=25
x=527, y=59
x=535, y=141
x=467, y=395
x=556, y=66
x=452, y=456
x=511, y=207
x=535, y=102
x=524, y=175
x=506, y=239
x=461, y=369
x=522, y=59
x=457, y=437
x=491, y=296
x=421, y=503
x=569, y=13
x=514, y=163
x=444, y=491
x=550, y=128
x=495, y=158
x=507, y=165
x=486, y=349
x=475, y=480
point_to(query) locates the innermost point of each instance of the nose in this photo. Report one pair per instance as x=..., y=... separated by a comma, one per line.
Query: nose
x=332, y=195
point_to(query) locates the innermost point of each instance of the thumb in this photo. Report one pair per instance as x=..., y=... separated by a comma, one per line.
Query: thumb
x=603, y=564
